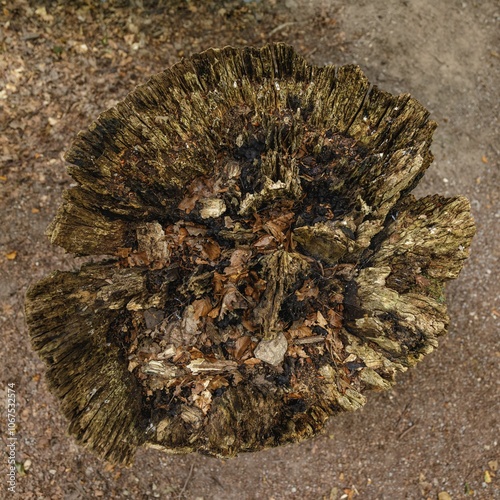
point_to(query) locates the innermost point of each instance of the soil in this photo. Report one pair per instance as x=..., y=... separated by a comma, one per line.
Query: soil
x=436, y=433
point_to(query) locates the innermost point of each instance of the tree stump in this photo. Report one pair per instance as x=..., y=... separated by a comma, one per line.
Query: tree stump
x=268, y=262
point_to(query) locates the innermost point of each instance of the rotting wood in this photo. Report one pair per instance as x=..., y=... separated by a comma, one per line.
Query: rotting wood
x=268, y=264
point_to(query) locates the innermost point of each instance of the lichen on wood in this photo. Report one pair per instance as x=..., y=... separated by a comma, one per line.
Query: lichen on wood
x=267, y=264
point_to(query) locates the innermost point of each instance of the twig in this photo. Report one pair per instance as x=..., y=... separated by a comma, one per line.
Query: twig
x=494, y=148
x=181, y=493
x=311, y=52
x=406, y=431
x=309, y=340
x=283, y=26
x=401, y=415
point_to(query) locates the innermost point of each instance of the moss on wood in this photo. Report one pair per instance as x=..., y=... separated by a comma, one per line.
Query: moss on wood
x=268, y=264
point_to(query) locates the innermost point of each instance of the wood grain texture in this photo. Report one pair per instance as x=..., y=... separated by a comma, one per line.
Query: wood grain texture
x=267, y=256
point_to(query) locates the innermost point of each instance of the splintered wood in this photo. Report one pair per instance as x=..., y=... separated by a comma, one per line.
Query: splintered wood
x=268, y=262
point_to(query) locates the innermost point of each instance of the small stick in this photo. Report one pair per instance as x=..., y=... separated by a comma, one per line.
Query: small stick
x=309, y=340
x=181, y=493
x=406, y=431
x=283, y=26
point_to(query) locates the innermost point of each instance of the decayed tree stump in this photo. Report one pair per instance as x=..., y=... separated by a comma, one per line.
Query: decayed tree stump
x=269, y=264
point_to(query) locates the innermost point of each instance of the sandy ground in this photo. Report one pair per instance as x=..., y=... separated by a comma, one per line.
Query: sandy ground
x=437, y=433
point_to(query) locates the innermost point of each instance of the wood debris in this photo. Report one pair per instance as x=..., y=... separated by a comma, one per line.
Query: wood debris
x=269, y=264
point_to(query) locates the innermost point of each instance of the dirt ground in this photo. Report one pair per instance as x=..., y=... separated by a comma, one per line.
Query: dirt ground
x=437, y=434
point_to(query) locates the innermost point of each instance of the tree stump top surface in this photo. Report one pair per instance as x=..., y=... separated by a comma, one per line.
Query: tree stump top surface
x=268, y=264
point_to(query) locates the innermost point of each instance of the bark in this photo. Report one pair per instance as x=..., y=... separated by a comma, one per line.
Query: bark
x=268, y=262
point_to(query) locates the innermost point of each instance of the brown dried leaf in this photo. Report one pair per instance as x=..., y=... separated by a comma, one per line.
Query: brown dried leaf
x=133, y=364
x=218, y=282
x=196, y=353
x=257, y=226
x=296, y=351
x=195, y=229
x=311, y=319
x=188, y=203
x=301, y=332
x=199, y=188
x=252, y=361
x=320, y=320
x=275, y=230
x=181, y=356
x=232, y=299
x=334, y=318
x=201, y=307
x=183, y=234
x=228, y=222
x=265, y=240
x=217, y=382
x=334, y=344
x=138, y=259
x=308, y=289
x=278, y=226
x=211, y=250
x=123, y=252
x=237, y=377
x=248, y=325
x=238, y=261
x=241, y=346
x=214, y=313
x=293, y=395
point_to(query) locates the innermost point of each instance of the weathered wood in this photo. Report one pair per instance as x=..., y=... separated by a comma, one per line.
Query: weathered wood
x=268, y=265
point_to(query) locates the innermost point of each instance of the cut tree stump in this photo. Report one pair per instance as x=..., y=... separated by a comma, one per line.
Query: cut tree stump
x=268, y=262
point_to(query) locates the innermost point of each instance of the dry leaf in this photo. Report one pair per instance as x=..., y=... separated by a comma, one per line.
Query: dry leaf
x=123, y=252
x=232, y=300
x=218, y=282
x=301, y=332
x=11, y=255
x=217, y=382
x=248, y=325
x=211, y=250
x=277, y=227
x=201, y=307
x=241, y=346
x=238, y=261
x=183, y=234
x=265, y=241
x=334, y=318
x=214, y=313
x=196, y=190
x=251, y=361
x=196, y=353
x=237, y=377
x=320, y=319
x=308, y=289
x=296, y=351
x=195, y=229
